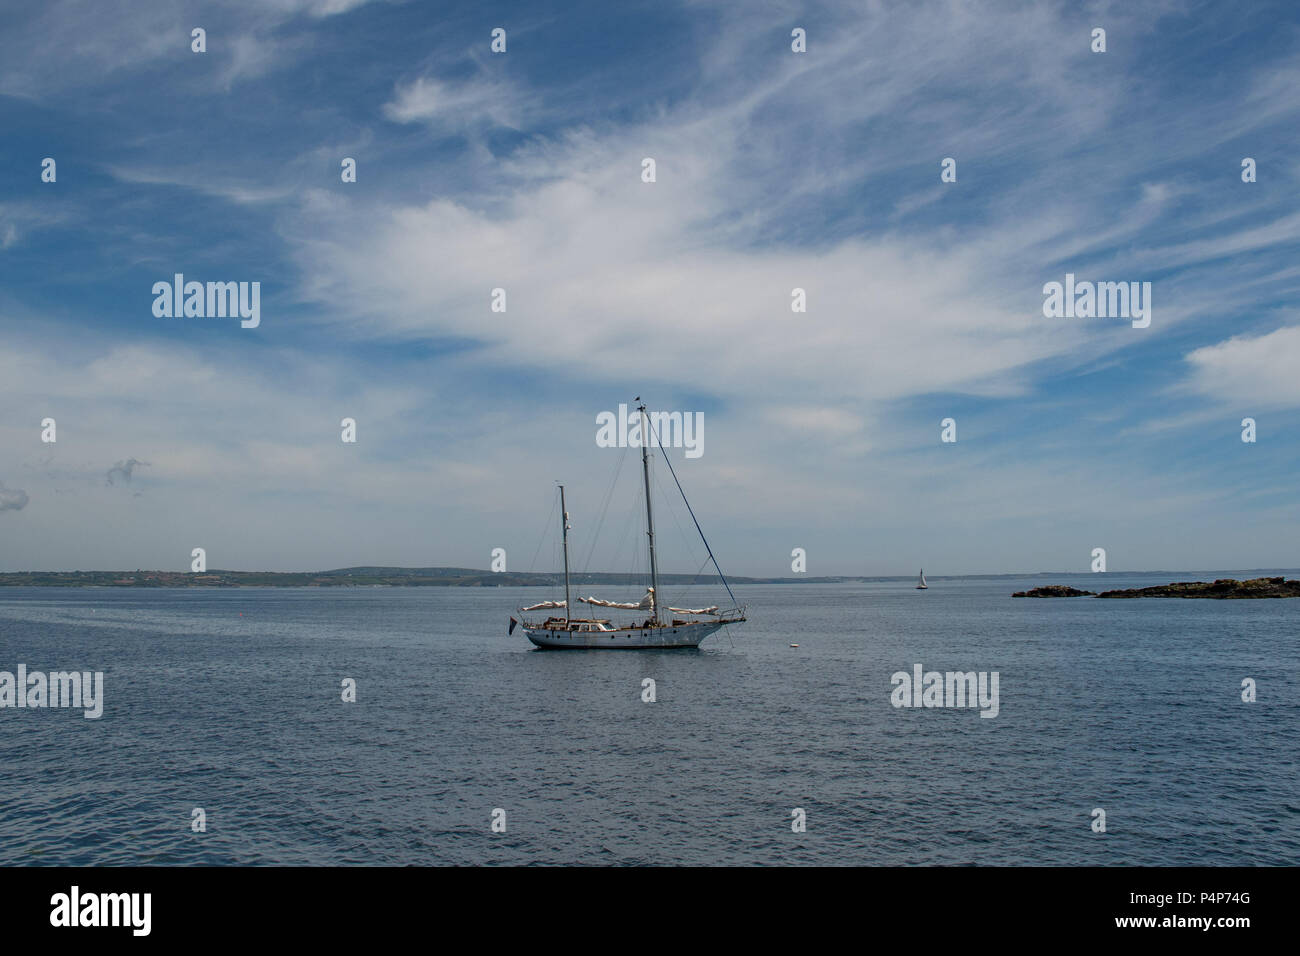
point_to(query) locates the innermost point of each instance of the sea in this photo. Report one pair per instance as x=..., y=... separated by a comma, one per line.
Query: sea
x=226, y=739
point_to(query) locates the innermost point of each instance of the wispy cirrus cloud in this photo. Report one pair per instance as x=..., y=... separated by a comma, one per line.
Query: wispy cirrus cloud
x=456, y=105
x=18, y=219
x=67, y=44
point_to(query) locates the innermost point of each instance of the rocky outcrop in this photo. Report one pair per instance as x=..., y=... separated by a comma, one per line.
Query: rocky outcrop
x=1053, y=590
x=1222, y=589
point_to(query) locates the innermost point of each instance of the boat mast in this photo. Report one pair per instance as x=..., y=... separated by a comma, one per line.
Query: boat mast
x=564, y=529
x=649, y=512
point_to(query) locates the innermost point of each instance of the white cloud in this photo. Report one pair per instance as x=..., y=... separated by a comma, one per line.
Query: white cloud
x=692, y=275
x=1251, y=371
x=602, y=270
x=64, y=44
x=204, y=179
x=18, y=219
x=468, y=104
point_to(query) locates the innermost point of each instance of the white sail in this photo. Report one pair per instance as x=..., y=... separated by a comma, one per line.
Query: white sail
x=545, y=604
x=645, y=604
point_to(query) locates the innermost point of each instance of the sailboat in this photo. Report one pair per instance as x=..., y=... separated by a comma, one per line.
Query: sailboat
x=921, y=585
x=658, y=626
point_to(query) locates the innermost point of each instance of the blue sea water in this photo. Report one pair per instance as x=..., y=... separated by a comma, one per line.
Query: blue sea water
x=230, y=701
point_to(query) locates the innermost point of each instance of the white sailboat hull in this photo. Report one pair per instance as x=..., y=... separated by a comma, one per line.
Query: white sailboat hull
x=625, y=638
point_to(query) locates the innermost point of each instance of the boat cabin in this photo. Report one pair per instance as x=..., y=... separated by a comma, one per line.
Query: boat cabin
x=590, y=624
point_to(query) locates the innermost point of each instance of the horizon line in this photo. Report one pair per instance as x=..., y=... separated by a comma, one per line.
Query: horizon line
x=376, y=568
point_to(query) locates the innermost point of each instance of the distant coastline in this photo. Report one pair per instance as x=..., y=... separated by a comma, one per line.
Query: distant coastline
x=439, y=577
x=357, y=577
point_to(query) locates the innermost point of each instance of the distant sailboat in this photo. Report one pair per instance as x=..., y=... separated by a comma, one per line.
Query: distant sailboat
x=921, y=585
x=658, y=626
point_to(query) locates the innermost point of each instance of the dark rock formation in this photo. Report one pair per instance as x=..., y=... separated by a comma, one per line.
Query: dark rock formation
x=1053, y=590
x=1222, y=589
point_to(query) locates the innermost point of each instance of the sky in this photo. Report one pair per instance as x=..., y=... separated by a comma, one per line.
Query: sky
x=775, y=170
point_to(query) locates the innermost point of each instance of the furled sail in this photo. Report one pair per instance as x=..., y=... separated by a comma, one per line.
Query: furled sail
x=646, y=603
x=544, y=605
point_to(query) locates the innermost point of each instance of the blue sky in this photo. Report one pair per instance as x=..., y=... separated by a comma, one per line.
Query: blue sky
x=775, y=170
